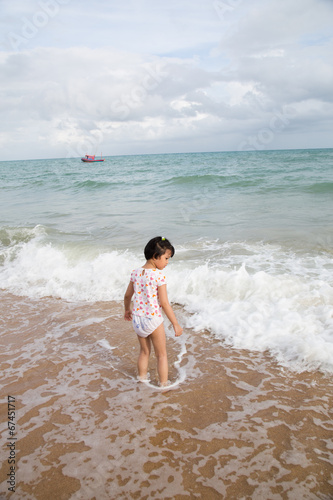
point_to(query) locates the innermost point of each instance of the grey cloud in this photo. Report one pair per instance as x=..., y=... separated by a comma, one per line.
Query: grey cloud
x=271, y=70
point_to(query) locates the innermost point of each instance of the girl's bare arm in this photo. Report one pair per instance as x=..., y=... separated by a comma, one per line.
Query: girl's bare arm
x=164, y=301
x=127, y=301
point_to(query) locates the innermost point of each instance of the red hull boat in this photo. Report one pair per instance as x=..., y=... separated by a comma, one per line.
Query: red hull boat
x=91, y=159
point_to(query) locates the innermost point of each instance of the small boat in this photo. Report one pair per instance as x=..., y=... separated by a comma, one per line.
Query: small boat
x=92, y=159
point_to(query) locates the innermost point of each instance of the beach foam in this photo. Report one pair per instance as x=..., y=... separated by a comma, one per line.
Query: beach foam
x=236, y=426
x=257, y=296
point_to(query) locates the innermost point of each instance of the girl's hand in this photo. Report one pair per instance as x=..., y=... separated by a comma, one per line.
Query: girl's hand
x=128, y=315
x=178, y=330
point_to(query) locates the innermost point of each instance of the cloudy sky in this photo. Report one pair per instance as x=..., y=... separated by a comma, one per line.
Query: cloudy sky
x=146, y=76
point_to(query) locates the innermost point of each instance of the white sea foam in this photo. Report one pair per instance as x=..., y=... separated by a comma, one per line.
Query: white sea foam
x=250, y=295
x=39, y=269
x=105, y=344
x=288, y=314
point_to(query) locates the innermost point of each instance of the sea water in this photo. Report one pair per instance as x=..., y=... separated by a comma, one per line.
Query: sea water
x=253, y=233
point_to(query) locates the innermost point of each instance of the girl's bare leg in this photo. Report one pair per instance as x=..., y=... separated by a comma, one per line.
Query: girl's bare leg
x=143, y=360
x=159, y=343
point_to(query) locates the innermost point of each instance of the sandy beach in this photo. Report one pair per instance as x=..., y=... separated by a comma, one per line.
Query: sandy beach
x=236, y=426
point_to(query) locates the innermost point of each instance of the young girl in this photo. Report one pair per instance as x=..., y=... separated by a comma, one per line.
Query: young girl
x=148, y=285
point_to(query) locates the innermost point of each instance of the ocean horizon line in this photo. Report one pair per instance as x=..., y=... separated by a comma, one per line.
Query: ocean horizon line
x=173, y=153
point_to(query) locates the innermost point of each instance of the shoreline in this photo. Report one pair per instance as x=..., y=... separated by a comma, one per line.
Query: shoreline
x=237, y=426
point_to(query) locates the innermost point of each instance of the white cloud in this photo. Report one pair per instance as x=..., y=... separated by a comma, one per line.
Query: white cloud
x=146, y=77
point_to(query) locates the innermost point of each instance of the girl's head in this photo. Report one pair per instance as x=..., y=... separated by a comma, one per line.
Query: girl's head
x=157, y=247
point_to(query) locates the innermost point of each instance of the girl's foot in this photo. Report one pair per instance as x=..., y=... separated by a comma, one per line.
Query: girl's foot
x=165, y=384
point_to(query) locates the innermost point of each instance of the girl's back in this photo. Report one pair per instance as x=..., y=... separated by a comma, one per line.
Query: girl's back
x=146, y=283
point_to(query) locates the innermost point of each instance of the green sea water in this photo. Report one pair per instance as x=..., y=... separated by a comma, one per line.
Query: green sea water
x=271, y=196
x=253, y=233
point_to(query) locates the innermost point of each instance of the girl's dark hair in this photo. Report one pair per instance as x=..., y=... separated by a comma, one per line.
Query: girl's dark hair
x=157, y=247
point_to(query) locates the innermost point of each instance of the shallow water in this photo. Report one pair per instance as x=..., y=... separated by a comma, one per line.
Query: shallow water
x=249, y=410
x=234, y=424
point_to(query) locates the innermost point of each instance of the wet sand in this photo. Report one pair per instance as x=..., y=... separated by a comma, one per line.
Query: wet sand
x=237, y=426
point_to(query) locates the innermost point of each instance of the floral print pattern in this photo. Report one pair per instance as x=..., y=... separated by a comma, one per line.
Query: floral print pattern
x=146, y=283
